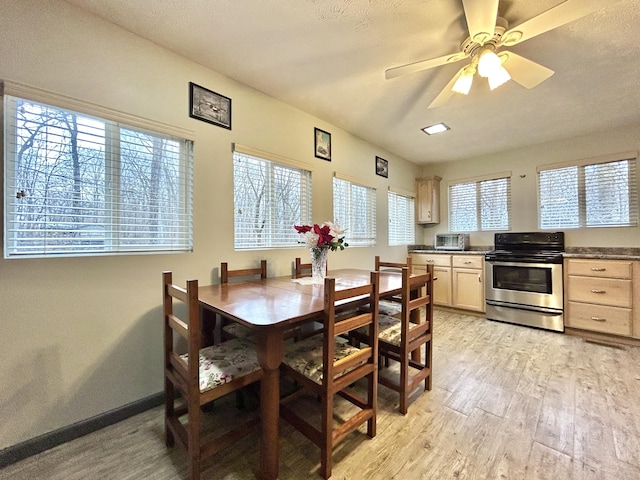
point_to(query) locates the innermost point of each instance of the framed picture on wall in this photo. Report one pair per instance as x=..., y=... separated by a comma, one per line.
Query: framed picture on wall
x=382, y=167
x=209, y=106
x=322, y=144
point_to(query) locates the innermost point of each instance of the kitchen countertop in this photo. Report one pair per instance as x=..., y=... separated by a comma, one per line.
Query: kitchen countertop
x=452, y=252
x=604, y=253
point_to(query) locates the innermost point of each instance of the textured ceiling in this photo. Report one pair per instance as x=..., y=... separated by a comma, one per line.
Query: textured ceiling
x=327, y=57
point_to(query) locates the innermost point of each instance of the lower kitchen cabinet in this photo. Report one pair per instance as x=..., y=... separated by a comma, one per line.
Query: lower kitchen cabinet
x=600, y=296
x=442, y=286
x=459, y=279
x=468, y=282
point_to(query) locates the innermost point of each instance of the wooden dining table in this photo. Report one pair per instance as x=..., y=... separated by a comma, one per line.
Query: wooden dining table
x=270, y=307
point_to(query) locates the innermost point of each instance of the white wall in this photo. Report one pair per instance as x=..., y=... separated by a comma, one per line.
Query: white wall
x=82, y=336
x=522, y=163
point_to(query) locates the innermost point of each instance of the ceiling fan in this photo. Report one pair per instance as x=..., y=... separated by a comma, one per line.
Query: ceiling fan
x=489, y=34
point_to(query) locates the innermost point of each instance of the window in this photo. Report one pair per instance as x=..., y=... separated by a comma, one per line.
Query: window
x=354, y=209
x=480, y=204
x=77, y=184
x=401, y=218
x=271, y=195
x=591, y=193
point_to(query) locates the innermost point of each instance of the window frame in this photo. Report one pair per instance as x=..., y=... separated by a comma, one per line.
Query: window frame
x=107, y=236
x=272, y=162
x=477, y=200
x=350, y=223
x=407, y=236
x=580, y=219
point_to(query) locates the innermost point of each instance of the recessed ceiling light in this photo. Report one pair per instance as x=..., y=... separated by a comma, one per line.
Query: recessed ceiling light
x=436, y=128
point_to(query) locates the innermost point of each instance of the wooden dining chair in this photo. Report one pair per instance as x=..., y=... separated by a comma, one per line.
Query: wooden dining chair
x=401, y=339
x=391, y=306
x=303, y=269
x=199, y=376
x=326, y=365
x=228, y=328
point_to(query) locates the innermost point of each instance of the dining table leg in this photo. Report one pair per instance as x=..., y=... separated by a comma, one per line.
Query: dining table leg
x=270, y=351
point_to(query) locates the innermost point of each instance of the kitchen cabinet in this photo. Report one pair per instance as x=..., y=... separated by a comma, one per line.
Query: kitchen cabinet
x=459, y=279
x=428, y=200
x=441, y=275
x=600, y=296
x=468, y=282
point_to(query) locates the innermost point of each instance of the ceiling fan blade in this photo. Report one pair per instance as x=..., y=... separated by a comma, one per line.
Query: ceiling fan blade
x=481, y=18
x=423, y=65
x=555, y=17
x=523, y=71
x=446, y=93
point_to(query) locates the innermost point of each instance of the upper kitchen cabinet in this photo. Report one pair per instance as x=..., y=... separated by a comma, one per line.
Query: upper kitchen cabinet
x=428, y=199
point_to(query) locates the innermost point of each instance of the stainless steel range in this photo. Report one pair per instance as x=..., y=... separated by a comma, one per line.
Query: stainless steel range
x=524, y=279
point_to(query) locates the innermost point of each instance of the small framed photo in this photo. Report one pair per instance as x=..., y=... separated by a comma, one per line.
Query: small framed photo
x=382, y=167
x=322, y=144
x=209, y=106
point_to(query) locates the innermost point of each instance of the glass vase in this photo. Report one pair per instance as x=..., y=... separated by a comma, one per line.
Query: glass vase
x=319, y=264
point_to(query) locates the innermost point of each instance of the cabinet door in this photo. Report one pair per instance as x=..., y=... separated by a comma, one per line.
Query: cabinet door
x=468, y=289
x=442, y=286
x=428, y=200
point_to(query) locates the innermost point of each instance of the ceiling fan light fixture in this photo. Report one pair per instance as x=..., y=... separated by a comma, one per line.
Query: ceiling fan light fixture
x=498, y=77
x=488, y=63
x=464, y=81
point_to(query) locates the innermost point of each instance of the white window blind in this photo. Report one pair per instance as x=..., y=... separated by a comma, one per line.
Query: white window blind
x=270, y=197
x=590, y=193
x=482, y=204
x=78, y=184
x=401, y=218
x=354, y=209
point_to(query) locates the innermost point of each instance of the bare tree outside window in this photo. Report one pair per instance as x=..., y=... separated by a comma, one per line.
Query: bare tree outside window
x=92, y=186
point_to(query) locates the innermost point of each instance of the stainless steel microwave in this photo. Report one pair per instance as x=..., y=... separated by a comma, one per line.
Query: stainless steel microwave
x=451, y=241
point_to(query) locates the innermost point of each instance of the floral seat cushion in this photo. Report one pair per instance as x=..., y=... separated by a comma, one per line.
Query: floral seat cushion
x=389, y=329
x=305, y=356
x=221, y=363
x=238, y=331
x=386, y=307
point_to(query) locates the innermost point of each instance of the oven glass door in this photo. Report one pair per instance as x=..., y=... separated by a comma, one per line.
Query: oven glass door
x=522, y=278
x=527, y=284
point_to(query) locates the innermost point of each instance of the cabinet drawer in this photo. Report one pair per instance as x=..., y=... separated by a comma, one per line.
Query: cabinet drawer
x=467, y=261
x=614, y=320
x=599, y=268
x=435, y=259
x=601, y=291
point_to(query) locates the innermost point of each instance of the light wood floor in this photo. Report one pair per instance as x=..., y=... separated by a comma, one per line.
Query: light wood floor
x=508, y=402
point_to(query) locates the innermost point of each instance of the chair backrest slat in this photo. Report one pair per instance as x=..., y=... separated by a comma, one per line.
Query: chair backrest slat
x=396, y=265
x=225, y=273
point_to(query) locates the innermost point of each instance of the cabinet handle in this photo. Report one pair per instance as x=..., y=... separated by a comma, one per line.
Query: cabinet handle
x=435, y=278
x=467, y=262
x=598, y=291
x=598, y=269
x=598, y=319
x=479, y=279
